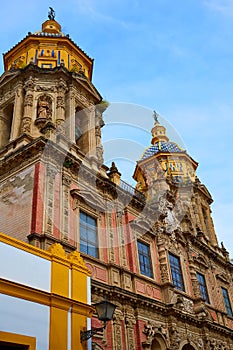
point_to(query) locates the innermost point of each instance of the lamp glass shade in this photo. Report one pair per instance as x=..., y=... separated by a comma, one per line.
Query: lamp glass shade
x=105, y=310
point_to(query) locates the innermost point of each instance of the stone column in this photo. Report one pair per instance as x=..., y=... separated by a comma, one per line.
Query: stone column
x=3, y=128
x=65, y=200
x=90, y=131
x=162, y=259
x=193, y=276
x=129, y=323
x=60, y=107
x=99, y=124
x=120, y=234
x=70, y=115
x=49, y=207
x=28, y=103
x=110, y=236
x=18, y=112
x=117, y=330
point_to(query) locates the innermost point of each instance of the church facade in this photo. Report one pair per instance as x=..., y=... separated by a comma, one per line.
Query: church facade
x=152, y=250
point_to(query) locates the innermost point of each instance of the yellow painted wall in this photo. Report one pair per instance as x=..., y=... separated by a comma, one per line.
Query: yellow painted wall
x=67, y=297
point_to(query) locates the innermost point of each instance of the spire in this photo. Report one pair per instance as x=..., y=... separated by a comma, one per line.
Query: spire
x=158, y=131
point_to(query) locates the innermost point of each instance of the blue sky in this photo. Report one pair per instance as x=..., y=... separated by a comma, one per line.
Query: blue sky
x=172, y=56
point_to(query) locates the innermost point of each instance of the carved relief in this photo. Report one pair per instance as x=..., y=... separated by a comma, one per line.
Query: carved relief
x=184, y=304
x=117, y=329
x=154, y=330
x=66, y=181
x=60, y=102
x=29, y=85
x=51, y=172
x=130, y=322
x=28, y=101
x=26, y=125
x=175, y=338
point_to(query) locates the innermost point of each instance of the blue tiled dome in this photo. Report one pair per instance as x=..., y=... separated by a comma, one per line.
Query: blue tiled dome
x=161, y=146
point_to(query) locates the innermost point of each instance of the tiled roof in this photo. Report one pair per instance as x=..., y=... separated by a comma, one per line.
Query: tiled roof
x=162, y=146
x=54, y=35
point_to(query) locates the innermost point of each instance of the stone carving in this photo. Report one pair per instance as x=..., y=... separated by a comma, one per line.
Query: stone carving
x=117, y=326
x=60, y=129
x=200, y=343
x=130, y=322
x=170, y=221
x=149, y=330
x=51, y=172
x=214, y=344
x=66, y=180
x=29, y=84
x=60, y=102
x=28, y=101
x=164, y=272
x=26, y=125
x=175, y=338
x=44, y=110
x=184, y=304
x=152, y=329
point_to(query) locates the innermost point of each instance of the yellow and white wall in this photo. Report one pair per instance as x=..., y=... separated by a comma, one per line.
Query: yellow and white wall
x=44, y=296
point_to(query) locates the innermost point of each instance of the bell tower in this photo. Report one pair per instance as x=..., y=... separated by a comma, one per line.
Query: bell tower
x=166, y=174
x=46, y=99
x=45, y=86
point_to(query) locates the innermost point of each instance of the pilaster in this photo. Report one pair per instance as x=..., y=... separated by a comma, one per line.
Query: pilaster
x=18, y=112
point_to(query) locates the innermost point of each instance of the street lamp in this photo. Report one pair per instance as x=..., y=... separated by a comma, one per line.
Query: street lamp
x=105, y=310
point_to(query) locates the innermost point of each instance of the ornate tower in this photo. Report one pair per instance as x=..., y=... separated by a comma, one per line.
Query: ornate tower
x=166, y=170
x=47, y=111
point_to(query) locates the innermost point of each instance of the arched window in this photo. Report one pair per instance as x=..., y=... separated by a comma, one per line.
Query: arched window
x=188, y=347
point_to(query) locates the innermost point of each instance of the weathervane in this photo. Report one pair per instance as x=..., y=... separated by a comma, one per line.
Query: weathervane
x=51, y=14
x=155, y=116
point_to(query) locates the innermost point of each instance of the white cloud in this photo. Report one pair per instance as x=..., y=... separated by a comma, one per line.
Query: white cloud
x=222, y=6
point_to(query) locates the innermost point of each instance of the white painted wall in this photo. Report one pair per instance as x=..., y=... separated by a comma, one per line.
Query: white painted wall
x=25, y=318
x=25, y=268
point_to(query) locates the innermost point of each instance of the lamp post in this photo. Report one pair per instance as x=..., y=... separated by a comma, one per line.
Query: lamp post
x=105, y=310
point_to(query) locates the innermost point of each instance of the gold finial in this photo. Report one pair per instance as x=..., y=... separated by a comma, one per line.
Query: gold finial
x=51, y=14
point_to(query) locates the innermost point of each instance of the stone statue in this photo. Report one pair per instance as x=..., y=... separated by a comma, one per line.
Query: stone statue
x=43, y=110
x=155, y=116
x=51, y=14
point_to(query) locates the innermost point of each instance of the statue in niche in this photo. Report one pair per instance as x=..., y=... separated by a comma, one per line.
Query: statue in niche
x=44, y=108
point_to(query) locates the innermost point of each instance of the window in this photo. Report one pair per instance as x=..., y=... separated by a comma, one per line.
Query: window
x=144, y=259
x=13, y=341
x=176, y=273
x=227, y=302
x=88, y=235
x=46, y=65
x=203, y=288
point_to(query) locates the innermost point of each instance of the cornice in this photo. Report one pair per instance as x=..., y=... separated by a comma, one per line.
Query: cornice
x=211, y=253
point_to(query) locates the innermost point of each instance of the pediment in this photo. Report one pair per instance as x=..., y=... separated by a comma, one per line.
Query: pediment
x=223, y=277
x=92, y=199
x=206, y=193
x=89, y=86
x=142, y=225
x=9, y=75
x=202, y=261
